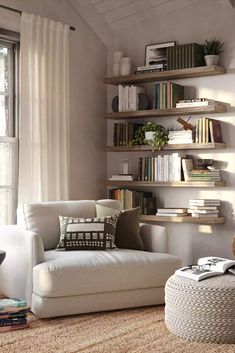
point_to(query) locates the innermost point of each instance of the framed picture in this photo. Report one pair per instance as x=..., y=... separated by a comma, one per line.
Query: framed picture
x=155, y=54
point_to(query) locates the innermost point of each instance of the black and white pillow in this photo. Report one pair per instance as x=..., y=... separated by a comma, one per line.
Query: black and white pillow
x=87, y=233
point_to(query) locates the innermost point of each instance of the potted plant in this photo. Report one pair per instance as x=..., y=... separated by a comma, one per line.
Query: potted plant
x=212, y=49
x=151, y=134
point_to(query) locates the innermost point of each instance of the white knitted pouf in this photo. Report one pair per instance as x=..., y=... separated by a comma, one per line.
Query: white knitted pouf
x=202, y=311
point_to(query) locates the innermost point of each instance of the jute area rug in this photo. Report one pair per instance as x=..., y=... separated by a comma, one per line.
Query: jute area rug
x=139, y=330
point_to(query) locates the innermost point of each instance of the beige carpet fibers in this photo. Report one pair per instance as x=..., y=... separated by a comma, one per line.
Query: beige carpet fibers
x=125, y=331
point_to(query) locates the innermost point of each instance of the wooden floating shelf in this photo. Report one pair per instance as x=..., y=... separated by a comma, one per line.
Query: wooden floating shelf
x=173, y=184
x=186, y=219
x=166, y=75
x=185, y=146
x=210, y=109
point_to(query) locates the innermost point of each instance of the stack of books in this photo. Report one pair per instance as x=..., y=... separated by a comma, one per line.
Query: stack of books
x=122, y=177
x=184, y=56
x=160, y=168
x=208, y=130
x=178, y=137
x=13, y=314
x=172, y=212
x=195, y=102
x=128, y=98
x=167, y=94
x=204, y=208
x=204, y=175
x=135, y=198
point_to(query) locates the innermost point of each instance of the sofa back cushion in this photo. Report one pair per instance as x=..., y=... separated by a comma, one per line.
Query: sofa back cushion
x=43, y=217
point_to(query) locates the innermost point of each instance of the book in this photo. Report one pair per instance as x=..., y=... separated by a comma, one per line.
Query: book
x=124, y=177
x=6, y=303
x=205, y=103
x=13, y=314
x=13, y=321
x=204, y=202
x=172, y=214
x=197, y=215
x=172, y=210
x=205, y=211
x=150, y=67
x=187, y=166
x=13, y=327
x=203, y=207
x=206, y=267
x=215, y=131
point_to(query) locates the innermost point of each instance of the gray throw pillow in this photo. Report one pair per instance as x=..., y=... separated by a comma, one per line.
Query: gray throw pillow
x=127, y=230
x=87, y=234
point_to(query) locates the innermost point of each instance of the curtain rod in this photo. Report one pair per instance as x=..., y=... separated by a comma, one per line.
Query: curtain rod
x=20, y=12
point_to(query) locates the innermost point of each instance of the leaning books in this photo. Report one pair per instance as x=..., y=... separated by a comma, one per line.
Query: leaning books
x=205, y=268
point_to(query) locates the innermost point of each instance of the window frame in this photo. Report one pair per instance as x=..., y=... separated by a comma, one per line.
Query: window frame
x=11, y=40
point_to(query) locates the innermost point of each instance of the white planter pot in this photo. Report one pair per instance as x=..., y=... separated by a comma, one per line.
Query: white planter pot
x=149, y=135
x=211, y=59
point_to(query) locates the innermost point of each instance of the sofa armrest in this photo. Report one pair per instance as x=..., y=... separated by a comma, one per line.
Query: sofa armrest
x=155, y=237
x=24, y=250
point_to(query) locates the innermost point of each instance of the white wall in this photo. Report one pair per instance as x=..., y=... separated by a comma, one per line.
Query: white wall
x=194, y=22
x=88, y=94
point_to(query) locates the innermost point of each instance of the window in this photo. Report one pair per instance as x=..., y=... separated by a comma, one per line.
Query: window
x=8, y=128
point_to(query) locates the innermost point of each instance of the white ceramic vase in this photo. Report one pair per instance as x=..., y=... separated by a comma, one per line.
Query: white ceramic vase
x=149, y=135
x=211, y=59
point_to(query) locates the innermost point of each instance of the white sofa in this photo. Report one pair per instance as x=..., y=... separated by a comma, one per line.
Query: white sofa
x=59, y=283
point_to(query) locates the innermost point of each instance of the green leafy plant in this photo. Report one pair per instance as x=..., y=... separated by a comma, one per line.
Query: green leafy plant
x=212, y=47
x=159, y=140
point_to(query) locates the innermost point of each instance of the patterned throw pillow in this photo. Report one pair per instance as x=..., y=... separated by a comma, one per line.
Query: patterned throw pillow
x=87, y=233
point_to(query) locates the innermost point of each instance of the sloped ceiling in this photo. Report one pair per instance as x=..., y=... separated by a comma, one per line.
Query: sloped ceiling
x=106, y=17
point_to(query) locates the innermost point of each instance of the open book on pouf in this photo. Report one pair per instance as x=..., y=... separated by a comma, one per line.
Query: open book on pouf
x=207, y=267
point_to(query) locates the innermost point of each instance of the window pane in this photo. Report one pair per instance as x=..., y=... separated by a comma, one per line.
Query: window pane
x=6, y=206
x=4, y=68
x=4, y=115
x=6, y=158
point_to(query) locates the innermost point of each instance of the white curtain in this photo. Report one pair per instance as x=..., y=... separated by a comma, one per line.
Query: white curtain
x=44, y=110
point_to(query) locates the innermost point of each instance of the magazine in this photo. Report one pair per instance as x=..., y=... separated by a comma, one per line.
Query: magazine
x=206, y=267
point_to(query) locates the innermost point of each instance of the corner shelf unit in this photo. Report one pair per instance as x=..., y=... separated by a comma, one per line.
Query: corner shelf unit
x=185, y=146
x=172, y=184
x=186, y=219
x=166, y=75
x=215, y=107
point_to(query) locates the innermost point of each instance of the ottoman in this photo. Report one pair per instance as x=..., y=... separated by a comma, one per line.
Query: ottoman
x=202, y=311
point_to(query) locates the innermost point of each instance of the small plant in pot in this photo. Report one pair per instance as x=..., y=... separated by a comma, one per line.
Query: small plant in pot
x=212, y=49
x=151, y=134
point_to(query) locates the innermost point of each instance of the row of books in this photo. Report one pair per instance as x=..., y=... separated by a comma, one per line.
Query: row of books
x=184, y=56
x=208, y=130
x=135, y=198
x=13, y=314
x=204, y=208
x=123, y=133
x=128, y=98
x=167, y=94
x=161, y=168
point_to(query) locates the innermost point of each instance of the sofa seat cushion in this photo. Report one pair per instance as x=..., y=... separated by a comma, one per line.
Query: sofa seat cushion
x=88, y=272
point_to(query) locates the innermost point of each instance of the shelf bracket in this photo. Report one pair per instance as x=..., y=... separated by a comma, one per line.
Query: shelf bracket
x=232, y=2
